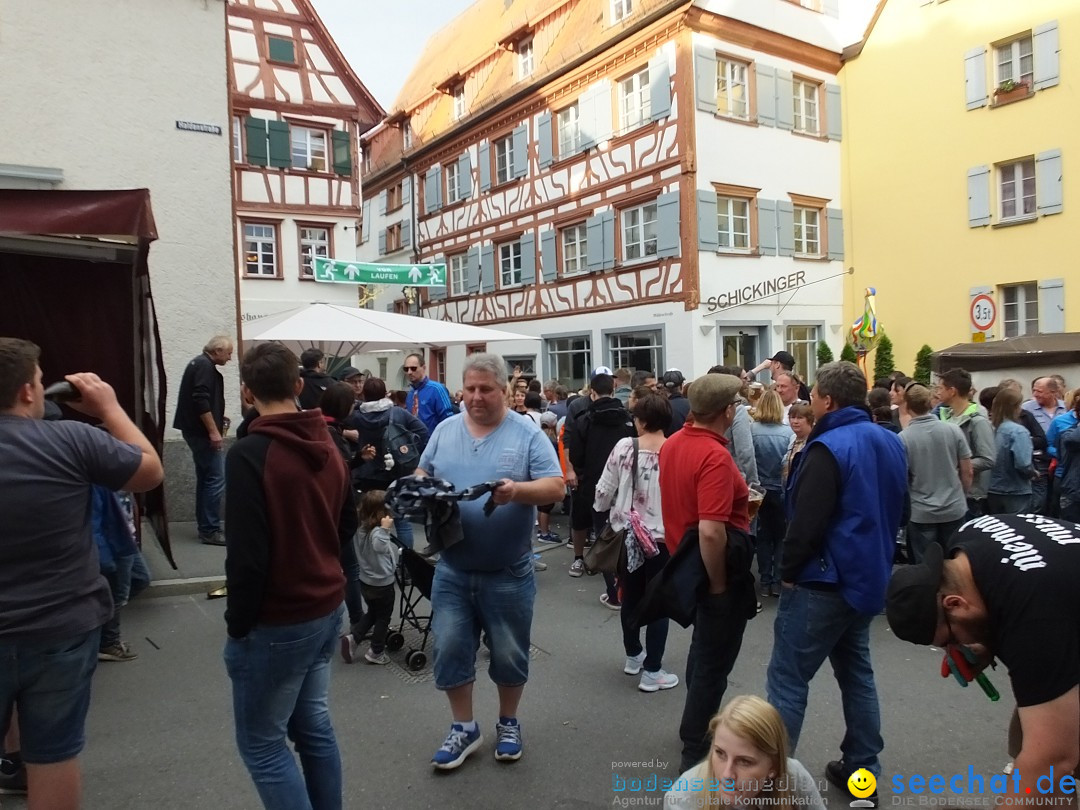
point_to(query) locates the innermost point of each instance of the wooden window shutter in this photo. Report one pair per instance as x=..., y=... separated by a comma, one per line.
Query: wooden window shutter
x=668, y=242
x=785, y=228
x=834, y=219
x=521, y=150
x=594, y=244
x=487, y=269
x=382, y=201
x=255, y=138
x=281, y=49
x=608, y=230
x=1052, y=305
x=406, y=189
x=1048, y=185
x=1044, y=46
x=528, y=259
x=483, y=157
x=547, y=256
x=433, y=190
x=406, y=233
x=464, y=176
x=280, y=148
x=705, y=66
x=659, y=87
x=766, y=227
x=708, y=237
x=365, y=226
x=766, y=95
x=343, y=164
x=382, y=242
x=472, y=271
x=975, y=78
x=978, y=186
x=544, y=140
x=785, y=100
x=834, y=121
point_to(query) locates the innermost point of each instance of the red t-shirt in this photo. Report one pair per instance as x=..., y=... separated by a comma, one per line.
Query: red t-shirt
x=699, y=481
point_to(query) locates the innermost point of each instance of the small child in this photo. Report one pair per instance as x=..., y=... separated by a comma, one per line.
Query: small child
x=377, y=554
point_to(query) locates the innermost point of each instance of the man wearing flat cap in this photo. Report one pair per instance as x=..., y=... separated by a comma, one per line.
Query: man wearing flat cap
x=704, y=492
x=1008, y=590
x=845, y=501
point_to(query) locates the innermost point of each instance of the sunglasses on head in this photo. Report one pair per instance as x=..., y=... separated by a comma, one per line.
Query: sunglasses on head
x=411, y=368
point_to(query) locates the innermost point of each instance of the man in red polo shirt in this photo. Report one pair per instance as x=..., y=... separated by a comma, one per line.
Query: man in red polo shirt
x=703, y=491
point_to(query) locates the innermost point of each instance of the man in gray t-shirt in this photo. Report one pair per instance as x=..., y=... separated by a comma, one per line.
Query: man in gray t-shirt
x=939, y=474
x=53, y=599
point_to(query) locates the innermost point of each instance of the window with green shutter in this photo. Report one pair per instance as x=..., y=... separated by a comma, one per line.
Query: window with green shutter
x=281, y=49
x=255, y=139
x=342, y=153
x=280, y=145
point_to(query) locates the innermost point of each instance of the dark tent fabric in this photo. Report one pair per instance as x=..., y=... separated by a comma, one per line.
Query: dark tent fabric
x=1062, y=348
x=88, y=309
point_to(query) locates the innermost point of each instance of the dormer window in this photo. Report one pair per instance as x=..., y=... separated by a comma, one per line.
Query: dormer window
x=620, y=9
x=459, y=101
x=406, y=135
x=525, y=58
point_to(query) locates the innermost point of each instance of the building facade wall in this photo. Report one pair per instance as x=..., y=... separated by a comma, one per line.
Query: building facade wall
x=927, y=223
x=84, y=89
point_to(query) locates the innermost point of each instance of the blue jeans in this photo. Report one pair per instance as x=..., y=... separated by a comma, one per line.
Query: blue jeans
x=281, y=680
x=500, y=603
x=49, y=683
x=813, y=625
x=209, y=482
x=771, y=528
x=404, y=529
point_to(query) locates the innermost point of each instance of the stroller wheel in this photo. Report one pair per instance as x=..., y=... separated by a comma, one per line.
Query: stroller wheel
x=415, y=660
x=395, y=641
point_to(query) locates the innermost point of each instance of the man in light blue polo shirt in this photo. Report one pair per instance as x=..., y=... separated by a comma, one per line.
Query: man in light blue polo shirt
x=485, y=582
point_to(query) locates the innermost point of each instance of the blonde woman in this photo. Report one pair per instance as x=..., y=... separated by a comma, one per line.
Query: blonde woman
x=747, y=765
x=771, y=439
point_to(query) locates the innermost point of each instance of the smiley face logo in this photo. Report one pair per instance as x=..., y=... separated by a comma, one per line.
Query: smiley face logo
x=861, y=783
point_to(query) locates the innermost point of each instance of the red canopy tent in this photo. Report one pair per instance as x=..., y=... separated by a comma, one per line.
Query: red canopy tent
x=74, y=280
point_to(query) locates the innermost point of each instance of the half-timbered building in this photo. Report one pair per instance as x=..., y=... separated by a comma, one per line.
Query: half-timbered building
x=297, y=111
x=636, y=183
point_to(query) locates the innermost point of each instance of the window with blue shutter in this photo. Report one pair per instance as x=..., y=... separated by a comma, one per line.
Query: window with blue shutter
x=975, y=78
x=659, y=88
x=406, y=233
x=433, y=190
x=382, y=201
x=255, y=138
x=705, y=78
x=668, y=241
x=521, y=151
x=766, y=95
x=834, y=219
x=280, y=147
x=785, y=228
x=834, y=122
x=1052, y=305
x=978, y=185
x=1048, y=182
x=767, y=227
x=487, y=268
x=483, y=157
x=548, y=256
x=406, y=189
x=464, y=177
x=785, y=100
x=706, y=218
x=382, y=242
x=528, y=259
x=1045, y=47
x=607, y=230
x=544, y=141
x=472, y=271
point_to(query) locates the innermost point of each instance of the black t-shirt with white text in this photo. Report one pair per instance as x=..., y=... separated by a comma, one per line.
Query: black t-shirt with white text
x=1027, y=569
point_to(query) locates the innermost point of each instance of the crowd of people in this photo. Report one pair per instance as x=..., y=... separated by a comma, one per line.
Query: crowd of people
x=845, y=502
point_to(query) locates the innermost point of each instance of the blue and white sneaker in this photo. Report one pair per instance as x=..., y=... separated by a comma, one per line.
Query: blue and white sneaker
x=508, y=747
x=459, y=744
x=549, y=537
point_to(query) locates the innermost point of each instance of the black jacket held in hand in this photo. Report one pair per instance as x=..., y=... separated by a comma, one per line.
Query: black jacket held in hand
x=599, y=429
x=202, y=390
x=290, y=508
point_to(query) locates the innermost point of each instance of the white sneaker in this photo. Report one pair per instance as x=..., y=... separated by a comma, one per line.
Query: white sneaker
x=655, y=681
x=633, y=663
x=577, y=568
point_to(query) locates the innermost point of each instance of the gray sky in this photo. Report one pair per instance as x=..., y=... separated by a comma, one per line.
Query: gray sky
x=383, y=39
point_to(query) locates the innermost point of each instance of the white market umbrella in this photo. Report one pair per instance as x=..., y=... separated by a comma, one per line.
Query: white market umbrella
x=354, y=330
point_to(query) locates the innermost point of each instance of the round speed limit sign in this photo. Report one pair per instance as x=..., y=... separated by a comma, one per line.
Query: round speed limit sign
x=983, y=312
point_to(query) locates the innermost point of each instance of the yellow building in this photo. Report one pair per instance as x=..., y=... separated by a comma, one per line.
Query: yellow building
x=960, y=193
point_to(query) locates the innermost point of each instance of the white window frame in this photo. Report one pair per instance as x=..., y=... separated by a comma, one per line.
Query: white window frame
x=803, y=347
x=453, y=182
x=732, y=74
x=621, y=9
x=568, y=346
x=639, y=232
x=575, y=249
x=504, y=152
x=805, y=228
x=510, y=264
x=655, y=346
x=459, y=102
x=1009, y=61
x=310, y=247
x=406, y=135
x=569, y=130
x=806, y=106
x=1012, y=181
x=238, y=140
x=1015, y=315
x=457, y=267
x=526, y=60
x=260, y=239
x=635, y=101
x=726, y=209
x=307, y=148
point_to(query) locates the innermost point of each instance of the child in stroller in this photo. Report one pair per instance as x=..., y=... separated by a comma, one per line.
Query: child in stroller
x=377, y=553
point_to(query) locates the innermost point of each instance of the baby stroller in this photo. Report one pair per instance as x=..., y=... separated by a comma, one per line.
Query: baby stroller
x=415, y=575
x=435, y=500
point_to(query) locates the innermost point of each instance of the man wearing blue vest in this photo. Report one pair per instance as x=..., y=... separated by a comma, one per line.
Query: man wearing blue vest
x=427, y=400
x=845, y=497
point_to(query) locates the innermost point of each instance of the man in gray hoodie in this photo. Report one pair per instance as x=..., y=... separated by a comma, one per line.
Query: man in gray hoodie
x=957, y=408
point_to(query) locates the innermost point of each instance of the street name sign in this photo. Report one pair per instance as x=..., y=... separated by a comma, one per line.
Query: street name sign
x=334, y=271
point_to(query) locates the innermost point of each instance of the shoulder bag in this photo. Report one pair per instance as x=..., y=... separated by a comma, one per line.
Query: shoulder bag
x=608, y=553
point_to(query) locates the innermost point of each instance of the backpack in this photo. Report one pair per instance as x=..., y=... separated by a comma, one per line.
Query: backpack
x=402, y=445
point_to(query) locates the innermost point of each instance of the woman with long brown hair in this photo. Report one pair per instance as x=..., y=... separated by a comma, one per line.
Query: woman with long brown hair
x=1009, y=492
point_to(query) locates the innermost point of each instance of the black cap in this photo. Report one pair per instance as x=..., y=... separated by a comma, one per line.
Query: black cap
x=783, y=358
x=348, y=371
x=911, y=602
x=673, y=380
